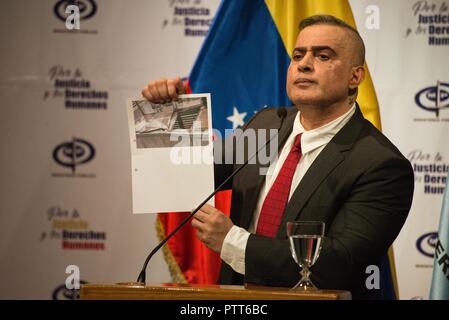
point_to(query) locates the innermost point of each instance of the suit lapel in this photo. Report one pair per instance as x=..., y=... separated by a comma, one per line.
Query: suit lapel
x=253, y=170
x=330, y=157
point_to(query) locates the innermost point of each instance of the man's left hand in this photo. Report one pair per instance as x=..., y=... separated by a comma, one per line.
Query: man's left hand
x=212, y=226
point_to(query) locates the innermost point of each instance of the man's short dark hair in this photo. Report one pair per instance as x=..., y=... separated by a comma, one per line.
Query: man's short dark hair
x=333, y=21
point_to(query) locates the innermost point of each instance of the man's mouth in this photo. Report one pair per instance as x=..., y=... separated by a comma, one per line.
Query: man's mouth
x=304, y=81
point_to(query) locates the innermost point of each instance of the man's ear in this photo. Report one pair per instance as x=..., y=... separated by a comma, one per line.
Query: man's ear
x=357, y=76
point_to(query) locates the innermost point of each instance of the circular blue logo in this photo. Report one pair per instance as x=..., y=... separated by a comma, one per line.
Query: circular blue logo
x=74, y=153
x=433, y=98
x=427, y=243
x=87, y=8
x=62, y=293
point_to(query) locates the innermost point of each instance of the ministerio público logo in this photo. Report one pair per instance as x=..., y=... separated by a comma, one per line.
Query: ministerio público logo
x=87, y=8
x=64, y=293
x=434, y=98
x=73, y=154
x=426, y=244
x=72, y=13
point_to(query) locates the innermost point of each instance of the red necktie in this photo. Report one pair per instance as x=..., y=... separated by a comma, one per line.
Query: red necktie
x=277, y=198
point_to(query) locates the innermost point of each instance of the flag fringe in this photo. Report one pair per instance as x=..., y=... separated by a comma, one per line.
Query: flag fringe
x=393, y=273
x=175, y=271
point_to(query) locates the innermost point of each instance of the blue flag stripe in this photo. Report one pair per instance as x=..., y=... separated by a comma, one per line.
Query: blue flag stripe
x=243, y=62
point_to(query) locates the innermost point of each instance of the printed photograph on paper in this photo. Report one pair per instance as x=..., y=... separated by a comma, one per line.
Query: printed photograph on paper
x=171, y=146
x=178, y=123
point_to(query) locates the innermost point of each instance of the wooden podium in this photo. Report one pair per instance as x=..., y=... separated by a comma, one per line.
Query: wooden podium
x=173, y=291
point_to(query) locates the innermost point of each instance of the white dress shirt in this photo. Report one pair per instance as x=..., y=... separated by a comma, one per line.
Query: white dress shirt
x=312, y=143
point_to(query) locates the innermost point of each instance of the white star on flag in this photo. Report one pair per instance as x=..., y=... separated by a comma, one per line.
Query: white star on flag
x=237, y=118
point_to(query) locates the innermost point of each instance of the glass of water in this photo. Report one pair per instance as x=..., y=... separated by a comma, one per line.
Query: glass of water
x=305, y=245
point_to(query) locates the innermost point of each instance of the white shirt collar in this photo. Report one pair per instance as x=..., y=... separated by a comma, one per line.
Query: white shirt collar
x=317, y=137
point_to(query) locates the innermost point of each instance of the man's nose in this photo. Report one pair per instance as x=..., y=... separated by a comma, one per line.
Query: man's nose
x=306, y=63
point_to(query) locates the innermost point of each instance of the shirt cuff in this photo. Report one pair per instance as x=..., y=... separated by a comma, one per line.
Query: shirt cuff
x=233, y=249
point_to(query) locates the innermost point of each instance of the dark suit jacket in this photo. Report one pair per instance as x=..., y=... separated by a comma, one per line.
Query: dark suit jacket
x=360, y=185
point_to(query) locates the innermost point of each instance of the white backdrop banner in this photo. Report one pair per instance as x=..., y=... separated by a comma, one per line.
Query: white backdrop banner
x=65, y=161
x=407, y=56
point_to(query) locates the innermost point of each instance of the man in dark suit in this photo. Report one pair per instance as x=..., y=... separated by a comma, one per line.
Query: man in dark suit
x=333, y=166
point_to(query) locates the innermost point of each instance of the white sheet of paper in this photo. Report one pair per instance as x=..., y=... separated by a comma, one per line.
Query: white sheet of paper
x=171, y=153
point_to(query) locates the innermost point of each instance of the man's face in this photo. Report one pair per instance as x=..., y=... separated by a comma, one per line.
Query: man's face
x=320, y=69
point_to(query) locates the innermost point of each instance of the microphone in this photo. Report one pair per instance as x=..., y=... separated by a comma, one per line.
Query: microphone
x=281, y=113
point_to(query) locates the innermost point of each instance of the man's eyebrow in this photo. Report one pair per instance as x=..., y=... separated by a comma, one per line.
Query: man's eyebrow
x=315, y=48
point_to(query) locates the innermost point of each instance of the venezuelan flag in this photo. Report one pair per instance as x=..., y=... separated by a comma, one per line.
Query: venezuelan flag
x=243, y=63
